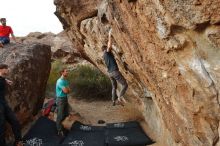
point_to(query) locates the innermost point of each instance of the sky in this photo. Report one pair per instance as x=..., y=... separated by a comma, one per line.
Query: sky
x=25, y=16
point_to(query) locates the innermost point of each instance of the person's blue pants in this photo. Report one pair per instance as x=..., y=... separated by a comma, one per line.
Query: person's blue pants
x=4, y=40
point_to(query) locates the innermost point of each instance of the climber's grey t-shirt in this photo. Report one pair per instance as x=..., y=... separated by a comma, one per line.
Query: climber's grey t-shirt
x=110, y=61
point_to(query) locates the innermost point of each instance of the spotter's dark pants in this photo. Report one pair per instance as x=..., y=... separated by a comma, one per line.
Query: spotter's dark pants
x=7, y=115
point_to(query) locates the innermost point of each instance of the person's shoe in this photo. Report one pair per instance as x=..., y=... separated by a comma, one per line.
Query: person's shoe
x=118, y=102
x=113, y=103
x=19, y=143
x=122, y=99
x=61, y=133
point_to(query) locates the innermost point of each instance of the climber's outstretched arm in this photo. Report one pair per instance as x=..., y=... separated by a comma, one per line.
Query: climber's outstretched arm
x=109, y=41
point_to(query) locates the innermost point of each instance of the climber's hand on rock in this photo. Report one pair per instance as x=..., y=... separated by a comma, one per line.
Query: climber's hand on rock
x=9, y=82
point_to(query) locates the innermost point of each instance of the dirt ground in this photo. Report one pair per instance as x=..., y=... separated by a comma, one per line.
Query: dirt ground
x=103, y=110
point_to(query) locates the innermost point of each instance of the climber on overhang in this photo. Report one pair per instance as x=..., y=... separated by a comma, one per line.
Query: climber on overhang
x=5, y=32
x=114, y=73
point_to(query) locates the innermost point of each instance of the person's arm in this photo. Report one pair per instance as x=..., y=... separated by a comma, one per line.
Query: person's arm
x=12, y=34
x=9, y=82
x=109, y=47
x=66, y=90
x=13, y=37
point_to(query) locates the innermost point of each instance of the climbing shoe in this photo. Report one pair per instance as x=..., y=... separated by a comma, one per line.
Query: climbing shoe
x=122, y=99
x=113, y=103
x=118, y=102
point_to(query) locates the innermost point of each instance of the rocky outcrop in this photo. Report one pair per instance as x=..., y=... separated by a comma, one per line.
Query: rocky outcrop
x=168, y=50
x=60, y=44
x=29, y=67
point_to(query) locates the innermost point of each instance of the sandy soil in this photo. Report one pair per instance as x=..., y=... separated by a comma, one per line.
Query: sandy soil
x=103, y=110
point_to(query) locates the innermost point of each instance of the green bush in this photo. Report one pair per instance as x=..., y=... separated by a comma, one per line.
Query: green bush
x=86, y=82
x=54, y=75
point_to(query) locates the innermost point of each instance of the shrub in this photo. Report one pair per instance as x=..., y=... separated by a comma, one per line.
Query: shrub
x=89, y=83
x=54, y=75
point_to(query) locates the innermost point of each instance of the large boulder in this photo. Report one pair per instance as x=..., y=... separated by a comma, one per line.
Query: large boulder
x=168, y=50
x=29, y=67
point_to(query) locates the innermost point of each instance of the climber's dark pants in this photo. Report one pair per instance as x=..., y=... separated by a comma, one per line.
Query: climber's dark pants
x=6, y=114
x=115, y=77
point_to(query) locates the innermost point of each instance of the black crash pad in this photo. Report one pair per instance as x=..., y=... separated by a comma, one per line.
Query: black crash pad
x=85, y=135
x=126, y=134
x=42, y=133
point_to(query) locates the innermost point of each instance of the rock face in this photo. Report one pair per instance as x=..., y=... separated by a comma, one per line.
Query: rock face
x=29, y=67
x=166, y=49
